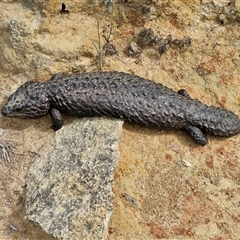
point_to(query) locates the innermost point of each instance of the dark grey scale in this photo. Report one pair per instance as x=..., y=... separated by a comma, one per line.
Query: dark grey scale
x=120, y=95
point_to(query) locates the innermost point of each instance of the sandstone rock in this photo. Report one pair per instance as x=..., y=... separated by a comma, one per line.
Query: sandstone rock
x=69, y=189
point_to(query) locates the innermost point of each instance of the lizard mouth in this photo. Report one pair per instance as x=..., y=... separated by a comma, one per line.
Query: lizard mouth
x=23, y=112
x=8, y=113
x=5, y=111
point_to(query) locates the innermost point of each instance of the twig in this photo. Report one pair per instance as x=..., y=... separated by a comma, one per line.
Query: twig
x=6, y=152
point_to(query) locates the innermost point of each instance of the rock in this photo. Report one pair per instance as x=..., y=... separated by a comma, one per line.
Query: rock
x=69, y=190
x=134, y=50
x=221, y=10
x=146, y=38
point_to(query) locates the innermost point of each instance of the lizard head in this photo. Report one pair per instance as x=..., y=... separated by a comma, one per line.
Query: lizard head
x=28, y=101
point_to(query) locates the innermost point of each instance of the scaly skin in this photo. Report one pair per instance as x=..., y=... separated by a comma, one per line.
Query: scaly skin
x=121, y=95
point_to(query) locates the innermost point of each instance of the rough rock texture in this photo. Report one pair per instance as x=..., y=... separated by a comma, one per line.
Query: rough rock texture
x=165, y=186
x=69, y=189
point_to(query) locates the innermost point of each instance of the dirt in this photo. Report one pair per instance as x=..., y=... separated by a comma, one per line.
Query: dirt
x=166, y=187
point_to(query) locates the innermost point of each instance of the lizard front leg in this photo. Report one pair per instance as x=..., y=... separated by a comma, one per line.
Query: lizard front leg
x=57, y=118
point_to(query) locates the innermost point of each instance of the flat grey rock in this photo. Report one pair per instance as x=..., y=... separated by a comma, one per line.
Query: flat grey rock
x=69, y=189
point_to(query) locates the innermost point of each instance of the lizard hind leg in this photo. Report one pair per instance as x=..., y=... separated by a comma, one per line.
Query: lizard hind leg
x=184, y=93
x=197, y=135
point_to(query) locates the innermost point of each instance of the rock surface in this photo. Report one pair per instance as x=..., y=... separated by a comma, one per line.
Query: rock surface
x=69, y=188
x=165, y=186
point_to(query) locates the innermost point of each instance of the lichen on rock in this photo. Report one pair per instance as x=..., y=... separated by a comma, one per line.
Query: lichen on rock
x=69, y=190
